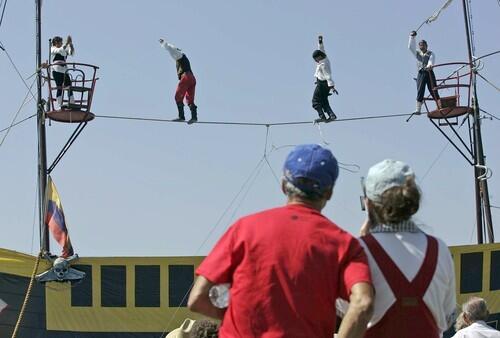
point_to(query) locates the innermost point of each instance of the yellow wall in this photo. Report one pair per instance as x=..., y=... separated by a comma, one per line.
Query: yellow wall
x=491, y=297
x=62, y=316
x=20, y=264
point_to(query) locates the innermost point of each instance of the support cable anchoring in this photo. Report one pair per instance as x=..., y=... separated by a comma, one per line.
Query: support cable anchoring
x=487, y=174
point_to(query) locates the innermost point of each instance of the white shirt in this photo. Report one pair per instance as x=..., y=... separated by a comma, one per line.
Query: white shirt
x=64, y=51
x=323, y=69
x=407, y=250
x=424, y=60
x=478, y=329
x=175, y=52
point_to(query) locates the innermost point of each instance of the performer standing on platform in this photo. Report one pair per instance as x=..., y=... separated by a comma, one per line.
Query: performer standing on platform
x=324, y=83
x=58, y=54
x=187, y=82
x=425, y=62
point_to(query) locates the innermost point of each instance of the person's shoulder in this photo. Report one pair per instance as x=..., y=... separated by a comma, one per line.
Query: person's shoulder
x=339, y=229
x=294, y=212
x=266, y=213
x=459, y=334
x=440, y=242
x=445, y=261
x=484, y=327
x=257, y=217
x=340, y=236
x=442, y=246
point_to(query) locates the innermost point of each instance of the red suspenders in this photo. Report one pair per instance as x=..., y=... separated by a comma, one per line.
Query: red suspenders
x=409, y=316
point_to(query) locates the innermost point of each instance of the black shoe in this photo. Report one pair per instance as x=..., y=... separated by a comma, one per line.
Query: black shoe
x=321, y=114
x=194, y=113
x=330, y=113
x=180, y=109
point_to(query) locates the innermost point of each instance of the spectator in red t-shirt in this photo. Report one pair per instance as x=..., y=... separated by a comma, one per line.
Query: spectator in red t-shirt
x=286, y=266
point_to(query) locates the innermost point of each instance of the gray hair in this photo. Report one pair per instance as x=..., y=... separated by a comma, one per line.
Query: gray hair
x=475, y=309
x=292, y=191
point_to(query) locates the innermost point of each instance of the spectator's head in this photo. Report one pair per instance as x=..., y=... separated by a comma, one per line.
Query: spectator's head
x=204, y=328
x=422, y=45
x=460, y=322
x=475, y=309
x=309, y=174
x=57, y=41
x=393, y=196
x=318, y=55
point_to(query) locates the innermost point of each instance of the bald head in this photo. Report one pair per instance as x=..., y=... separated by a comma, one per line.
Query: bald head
x=475, y=309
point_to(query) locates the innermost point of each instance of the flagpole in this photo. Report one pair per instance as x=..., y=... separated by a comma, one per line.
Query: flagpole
x=42, y=147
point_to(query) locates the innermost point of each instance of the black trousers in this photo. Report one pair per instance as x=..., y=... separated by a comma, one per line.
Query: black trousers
x=62, y=79
x=320, y=97
x=426, y=78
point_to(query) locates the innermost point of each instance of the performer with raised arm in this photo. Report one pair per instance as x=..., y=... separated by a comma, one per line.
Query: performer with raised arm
x=187, y=82
x=425, y=62
x=58, y=55
x=324, y=83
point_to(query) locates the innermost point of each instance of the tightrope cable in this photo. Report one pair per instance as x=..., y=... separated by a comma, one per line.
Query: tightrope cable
x=237, y=123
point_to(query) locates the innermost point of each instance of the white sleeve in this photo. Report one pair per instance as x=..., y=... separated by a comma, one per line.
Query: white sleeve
x=430, y=63
x=412, y=46
x=58, y=50
x=327, y=72
x=175, y=53
x=69, y=50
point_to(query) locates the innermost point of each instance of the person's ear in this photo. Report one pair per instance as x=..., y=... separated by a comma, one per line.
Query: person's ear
x=369, y=203
x=328, y=194
x=466, y=319
x=283, y=185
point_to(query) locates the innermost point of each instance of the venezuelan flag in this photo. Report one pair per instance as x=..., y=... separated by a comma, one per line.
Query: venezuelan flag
x=54, y=219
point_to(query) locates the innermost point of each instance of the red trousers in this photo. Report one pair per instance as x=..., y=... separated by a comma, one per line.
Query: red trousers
x=186, y=88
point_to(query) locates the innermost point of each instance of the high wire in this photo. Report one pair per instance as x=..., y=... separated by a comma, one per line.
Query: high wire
x=236, y=123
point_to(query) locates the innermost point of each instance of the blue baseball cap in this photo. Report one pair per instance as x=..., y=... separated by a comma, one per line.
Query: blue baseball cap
x=312, y=162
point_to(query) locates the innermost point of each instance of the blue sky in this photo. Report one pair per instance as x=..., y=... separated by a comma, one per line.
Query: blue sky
x=140, y=188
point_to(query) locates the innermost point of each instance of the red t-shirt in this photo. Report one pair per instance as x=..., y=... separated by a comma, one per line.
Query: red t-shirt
x=287, y=266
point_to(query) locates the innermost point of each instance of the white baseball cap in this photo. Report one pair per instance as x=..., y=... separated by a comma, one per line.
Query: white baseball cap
x=385, y=175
